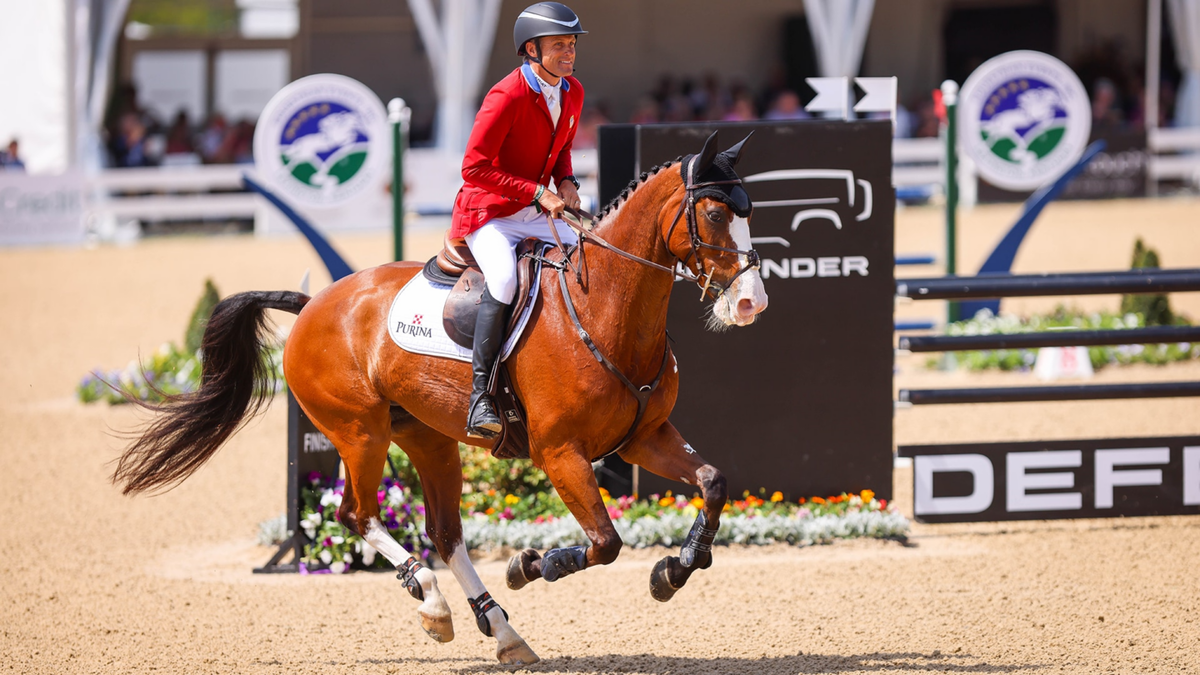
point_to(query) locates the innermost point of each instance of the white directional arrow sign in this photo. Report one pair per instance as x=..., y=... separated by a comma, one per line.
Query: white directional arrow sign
x=833, y=95
x=879, y=94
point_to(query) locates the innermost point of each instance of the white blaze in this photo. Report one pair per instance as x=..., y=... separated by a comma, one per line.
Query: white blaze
x=748, y=286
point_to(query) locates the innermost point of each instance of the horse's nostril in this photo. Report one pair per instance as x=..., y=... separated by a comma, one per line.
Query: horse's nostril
x=745, y=306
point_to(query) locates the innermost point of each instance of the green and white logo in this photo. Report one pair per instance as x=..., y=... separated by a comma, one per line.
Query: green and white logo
x=322, y=139
x=1024, y=118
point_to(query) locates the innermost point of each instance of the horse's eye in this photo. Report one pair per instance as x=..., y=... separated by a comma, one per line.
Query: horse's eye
x=716, y=216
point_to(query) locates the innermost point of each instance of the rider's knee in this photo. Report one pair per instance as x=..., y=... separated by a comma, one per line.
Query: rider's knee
x=606, y=548
x=504, y=289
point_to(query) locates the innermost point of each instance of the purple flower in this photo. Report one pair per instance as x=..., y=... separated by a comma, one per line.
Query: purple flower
x=327, y=543
x=314, y=477
x=391, y=513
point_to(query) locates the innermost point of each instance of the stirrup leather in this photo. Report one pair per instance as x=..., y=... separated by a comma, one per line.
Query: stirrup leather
x=480, y=607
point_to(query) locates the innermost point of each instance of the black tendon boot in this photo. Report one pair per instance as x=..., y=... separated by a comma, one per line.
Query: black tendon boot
x=482, y=419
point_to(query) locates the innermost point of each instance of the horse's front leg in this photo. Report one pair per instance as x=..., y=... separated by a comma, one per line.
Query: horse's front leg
x=665, y=453
x=571, y=474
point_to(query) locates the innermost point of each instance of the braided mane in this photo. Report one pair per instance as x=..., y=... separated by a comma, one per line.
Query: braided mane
x=634, y=185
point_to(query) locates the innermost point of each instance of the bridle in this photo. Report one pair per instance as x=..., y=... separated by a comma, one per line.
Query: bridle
x=687, y=205
x=687, y=209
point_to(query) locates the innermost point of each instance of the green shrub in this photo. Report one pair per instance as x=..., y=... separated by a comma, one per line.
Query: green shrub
x=1155, y=309
x=196, y=325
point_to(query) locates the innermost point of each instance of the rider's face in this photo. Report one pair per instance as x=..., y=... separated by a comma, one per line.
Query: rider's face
x=558, y=54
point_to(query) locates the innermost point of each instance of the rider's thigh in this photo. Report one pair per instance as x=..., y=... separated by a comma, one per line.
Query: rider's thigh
x=497, y=260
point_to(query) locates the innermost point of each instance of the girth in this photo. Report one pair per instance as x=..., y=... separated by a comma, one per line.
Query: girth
x=642, y=394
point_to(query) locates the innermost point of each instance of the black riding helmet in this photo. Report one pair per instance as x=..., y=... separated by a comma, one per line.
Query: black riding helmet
x=543, y=19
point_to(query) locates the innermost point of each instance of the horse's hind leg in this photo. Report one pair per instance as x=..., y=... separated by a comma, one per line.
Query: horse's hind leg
x=363, y=442
x=439, y=466
x=665, y=453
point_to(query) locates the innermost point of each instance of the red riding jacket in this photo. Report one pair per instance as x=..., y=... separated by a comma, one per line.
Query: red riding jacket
x=513, y=148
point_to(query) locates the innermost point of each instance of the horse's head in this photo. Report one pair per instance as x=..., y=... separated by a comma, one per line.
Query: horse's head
x=710, y=235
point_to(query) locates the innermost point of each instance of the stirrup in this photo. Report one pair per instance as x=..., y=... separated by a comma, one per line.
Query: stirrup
x=483, y=428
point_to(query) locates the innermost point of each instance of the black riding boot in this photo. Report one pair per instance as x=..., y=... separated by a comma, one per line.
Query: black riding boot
x=482, y=419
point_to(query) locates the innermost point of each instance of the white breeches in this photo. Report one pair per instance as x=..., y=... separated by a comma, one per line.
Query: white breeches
x=494, y=247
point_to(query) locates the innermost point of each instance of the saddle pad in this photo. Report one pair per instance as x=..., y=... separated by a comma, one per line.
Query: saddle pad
x=415, y=320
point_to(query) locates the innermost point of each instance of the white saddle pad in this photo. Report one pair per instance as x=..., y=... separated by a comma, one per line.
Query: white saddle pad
x=415, y=320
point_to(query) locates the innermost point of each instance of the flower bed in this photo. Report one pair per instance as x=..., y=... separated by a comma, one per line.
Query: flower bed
x=984, y=323
x=511, y=504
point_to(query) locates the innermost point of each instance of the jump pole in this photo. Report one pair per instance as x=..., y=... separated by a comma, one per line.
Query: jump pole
x=399, y=116
x=950, y=100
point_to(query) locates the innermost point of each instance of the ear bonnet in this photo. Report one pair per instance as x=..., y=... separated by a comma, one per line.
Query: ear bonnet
x=713, y=166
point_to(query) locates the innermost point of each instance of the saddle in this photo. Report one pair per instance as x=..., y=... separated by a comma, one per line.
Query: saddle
x=455, y=266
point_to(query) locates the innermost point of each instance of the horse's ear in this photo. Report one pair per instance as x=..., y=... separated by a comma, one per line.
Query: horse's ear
x=707, y=155
x=735, y=153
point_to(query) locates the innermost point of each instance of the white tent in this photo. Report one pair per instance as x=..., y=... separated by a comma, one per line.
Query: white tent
x=57, y=56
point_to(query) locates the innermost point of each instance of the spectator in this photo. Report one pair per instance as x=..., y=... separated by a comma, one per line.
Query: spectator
x=743, y=109
x=212, y=136
x=129, y=144
x=10, y=160
x=1105, y=113
x=926, y=124
x=179, y=138
x=786, y=106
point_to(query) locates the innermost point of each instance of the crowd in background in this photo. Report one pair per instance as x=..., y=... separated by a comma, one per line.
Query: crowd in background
x=136, y=137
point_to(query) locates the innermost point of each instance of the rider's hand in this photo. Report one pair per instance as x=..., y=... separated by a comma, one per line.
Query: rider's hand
x=552, y=203
x=568, y=193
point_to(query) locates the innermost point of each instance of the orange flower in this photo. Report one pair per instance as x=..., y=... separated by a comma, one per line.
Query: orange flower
x=867, y=495
x=491, y=493
x=490, y=510
x=697, y=502
x=818, y=500
x=666, y=501
x=777, y=496
x=726, y=507
x=802, y=500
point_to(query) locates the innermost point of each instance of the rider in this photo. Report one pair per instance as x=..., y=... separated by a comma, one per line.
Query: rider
x=521, y=140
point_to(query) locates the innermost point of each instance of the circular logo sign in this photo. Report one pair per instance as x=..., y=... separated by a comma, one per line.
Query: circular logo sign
x=1024, y=118
x=322, y=140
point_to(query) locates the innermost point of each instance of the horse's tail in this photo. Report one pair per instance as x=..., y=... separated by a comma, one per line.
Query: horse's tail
x=235, y=385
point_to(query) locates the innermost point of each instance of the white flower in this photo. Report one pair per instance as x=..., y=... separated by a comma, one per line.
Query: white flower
x=314, y=518
x=368, y=554
x=337, y=567
x=337, y=539
x=347, y=558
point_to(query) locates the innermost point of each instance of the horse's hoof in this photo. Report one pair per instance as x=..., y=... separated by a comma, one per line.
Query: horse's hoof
x=518, y=654
x=440, y=627
x=660, y=580
x=516, y=578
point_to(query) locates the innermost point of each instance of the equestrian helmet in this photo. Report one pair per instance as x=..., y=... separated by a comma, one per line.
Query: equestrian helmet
x=543, y=19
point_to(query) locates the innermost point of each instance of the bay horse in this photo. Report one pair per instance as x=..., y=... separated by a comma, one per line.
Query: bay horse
x=589, y=332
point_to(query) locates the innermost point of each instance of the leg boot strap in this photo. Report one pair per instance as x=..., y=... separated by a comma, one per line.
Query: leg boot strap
x=408, y=576
x=480, y=607
x=697, y=547
x=560, y=562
